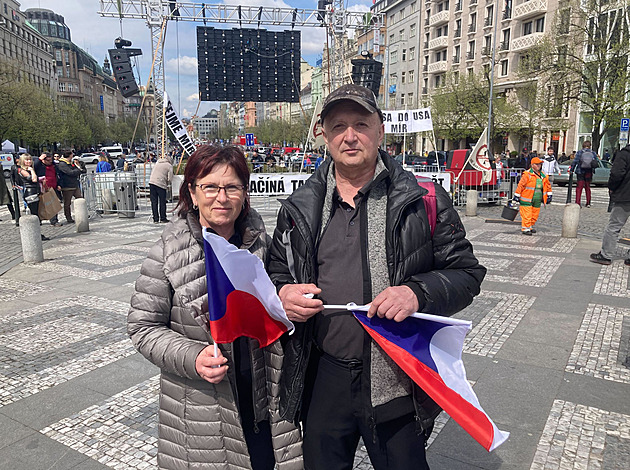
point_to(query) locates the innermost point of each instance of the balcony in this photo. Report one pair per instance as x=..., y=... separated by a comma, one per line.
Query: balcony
x=438, y=67
x=486, y=51
x=472, y=28
x=525, y=42
x=458, y=33
x=507, y=14
x=456, y=59
x=529, y=9
x=504, y=46
x=439, y=18
x=470, y=55
x=438, y=43
x=487, y=22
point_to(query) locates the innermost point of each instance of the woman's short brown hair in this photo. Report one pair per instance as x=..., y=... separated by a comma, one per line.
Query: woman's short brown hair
x=202, y=162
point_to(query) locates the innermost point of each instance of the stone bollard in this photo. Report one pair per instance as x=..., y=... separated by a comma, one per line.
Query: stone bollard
x=31, y=236
x=81, y=215
x=108, y=201
x=471, y=202
x=570, y=220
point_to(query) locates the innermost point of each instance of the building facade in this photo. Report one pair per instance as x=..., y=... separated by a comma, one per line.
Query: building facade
x=426, y=40
x=23, y=46
x=207, y=127
x=80, y=78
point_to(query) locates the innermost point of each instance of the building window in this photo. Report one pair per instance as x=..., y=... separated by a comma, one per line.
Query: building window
x=62, y=86
x=472, y=27
x=456, y=77
x=412, y=76
x=402, y=77
x=489, y=16
x=412, y=30
x=540, y=25
x=412, y=53
x=412, y=8
x=66, y=57
x=402, y=15
x=437, y=81
x=441, y=31
x=504, y=67
x=443, y=6
x=401, y=35
x=402, y=99
x=404, y=55
x=457, y=54
x=471, y=50
x=393, y=57
x=391, y=38
x=527, y=28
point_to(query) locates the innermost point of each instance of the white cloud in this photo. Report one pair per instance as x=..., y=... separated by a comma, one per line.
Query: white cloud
x=194, y=97
x=187, y=65
x=186, y=113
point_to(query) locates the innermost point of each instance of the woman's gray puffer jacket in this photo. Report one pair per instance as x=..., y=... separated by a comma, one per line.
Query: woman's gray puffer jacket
x=199, y=423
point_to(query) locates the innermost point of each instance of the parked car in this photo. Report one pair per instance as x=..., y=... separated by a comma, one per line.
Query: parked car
x=89, y=158
x=600, y=175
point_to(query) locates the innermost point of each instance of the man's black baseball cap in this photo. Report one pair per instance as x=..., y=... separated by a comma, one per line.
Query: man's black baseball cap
x=359, y=94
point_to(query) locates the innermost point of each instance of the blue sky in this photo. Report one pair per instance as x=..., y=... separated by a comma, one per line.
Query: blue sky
x=96, y=34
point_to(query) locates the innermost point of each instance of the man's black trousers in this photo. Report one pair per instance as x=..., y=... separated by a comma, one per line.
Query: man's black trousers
x=158, y=201
x=338, y=414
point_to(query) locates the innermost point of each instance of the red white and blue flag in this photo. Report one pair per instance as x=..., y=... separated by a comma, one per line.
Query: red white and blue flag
x=242, y=300
x=429, y=349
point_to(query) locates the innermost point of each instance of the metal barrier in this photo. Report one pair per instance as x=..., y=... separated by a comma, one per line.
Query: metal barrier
x=102, y=190
x=501, y=188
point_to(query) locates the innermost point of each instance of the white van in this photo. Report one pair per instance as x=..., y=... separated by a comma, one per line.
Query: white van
x=115, y=151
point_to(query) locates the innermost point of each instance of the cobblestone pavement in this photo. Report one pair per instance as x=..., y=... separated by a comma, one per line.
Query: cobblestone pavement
x=548, y=354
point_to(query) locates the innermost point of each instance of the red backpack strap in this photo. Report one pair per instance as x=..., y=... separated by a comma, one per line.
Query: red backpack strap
x=430, y=203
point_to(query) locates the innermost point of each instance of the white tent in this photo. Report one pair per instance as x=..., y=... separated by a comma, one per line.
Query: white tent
x=7, y=146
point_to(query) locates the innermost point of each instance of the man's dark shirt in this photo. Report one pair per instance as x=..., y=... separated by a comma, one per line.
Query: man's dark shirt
x=340, y=278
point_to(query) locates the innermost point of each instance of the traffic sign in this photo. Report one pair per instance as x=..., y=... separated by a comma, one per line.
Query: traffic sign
x=625, y=125
x=249, y=140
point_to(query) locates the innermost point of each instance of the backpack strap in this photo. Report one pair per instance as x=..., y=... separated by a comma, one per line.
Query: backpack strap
x=430, y=203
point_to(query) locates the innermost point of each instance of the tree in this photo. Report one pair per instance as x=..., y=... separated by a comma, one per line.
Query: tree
x=460, y=108
x=585, y=61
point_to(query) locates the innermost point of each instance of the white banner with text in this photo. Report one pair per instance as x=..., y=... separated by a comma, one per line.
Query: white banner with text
x=407, y=121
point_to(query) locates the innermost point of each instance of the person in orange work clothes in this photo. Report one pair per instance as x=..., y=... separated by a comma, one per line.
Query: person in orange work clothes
x=533, y=190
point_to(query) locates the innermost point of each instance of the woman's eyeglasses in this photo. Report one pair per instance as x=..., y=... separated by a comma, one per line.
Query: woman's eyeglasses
x=212, y=190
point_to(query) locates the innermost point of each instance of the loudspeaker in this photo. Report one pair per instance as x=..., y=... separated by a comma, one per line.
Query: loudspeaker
x=123, y=74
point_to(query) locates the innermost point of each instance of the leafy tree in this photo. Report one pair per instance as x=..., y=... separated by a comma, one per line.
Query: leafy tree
x=585, y=61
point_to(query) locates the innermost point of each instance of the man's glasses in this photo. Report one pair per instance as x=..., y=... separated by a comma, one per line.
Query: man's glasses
x=212, y=190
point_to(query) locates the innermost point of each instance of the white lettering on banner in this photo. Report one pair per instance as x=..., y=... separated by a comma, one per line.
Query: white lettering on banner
x=283, y=184
x=444, y=179
x=176, y=127
x=407, y=121
x=266, y=184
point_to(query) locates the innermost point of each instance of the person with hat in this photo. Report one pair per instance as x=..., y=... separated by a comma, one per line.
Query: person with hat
x=358, y=231
x=533, y=189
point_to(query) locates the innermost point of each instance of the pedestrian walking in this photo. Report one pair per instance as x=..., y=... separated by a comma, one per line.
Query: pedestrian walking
x=70, y=169
x=358, y=231
x=583, y=166
x=619, y=187
x=214, y=410
x=103, y=165
x=46, y=169
x=28, y=180
x=5, y=197
x=532, y=191
x=550, y=165
x=161, y=177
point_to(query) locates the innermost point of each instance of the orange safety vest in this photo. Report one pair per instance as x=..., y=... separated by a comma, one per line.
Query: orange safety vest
x=527, y=185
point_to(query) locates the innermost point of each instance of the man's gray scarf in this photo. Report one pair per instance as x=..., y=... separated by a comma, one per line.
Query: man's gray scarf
x=388, y=381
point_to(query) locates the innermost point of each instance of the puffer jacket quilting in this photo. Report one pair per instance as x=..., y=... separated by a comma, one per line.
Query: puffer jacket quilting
x=199, y=423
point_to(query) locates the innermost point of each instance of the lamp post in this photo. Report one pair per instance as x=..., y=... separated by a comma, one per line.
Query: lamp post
x=489, y=153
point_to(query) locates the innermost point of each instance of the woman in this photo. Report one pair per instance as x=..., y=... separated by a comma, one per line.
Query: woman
x=27, y=179
x=103, y=166
x=201, y=422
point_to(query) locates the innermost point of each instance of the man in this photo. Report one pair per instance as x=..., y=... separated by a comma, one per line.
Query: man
x=619, y=186
x=45, y=167
x=70, y=170
x=357, y=231
x=533, y=190
x=161, y=177
x=582, y=166
x=550, y=165
x=522, y=161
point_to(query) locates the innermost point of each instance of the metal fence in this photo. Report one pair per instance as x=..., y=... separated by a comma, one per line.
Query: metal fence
x=501, y=187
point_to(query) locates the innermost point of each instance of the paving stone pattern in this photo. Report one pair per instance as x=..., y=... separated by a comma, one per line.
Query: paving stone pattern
x=46, y=343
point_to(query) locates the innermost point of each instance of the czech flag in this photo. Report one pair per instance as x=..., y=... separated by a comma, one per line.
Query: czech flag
x=429, y=349
x=242, y=300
